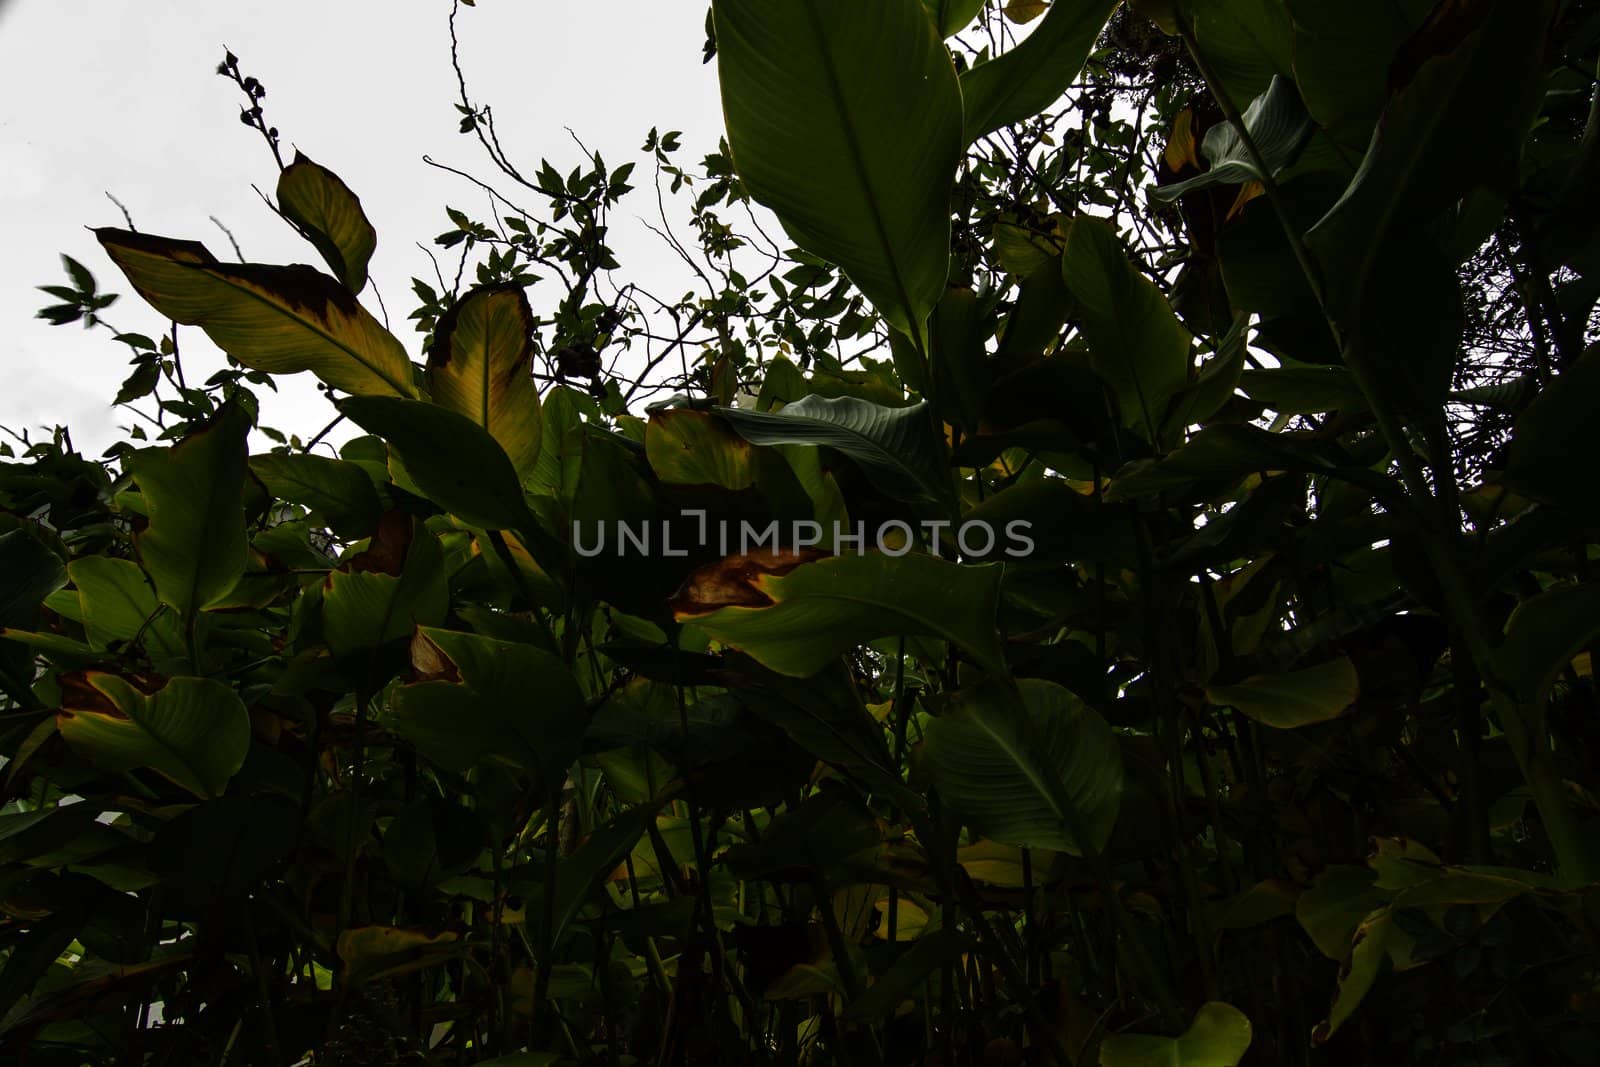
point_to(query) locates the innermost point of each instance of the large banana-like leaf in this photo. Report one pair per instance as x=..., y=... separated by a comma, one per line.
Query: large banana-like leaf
x=1136, y=343
x=478, y=367
x=194, y=731
x=1298, y=698
x=479, y=698
x=314, y=198
x=451, y=458
x=194, y=548
x=795, y=616
x=275, y=319
x=895, y=447
x=1030, y=769
x=845, y=119
x=1469, y=84
x=1034, y=74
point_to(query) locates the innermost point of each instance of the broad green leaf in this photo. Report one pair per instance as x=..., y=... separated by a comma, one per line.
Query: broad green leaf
x=950, y=17
x=845, y=119
x=1303, y=390
x=693, y=448
x=1342, y=55
x=117, y=604
x=1245, y=42
x=581, y=873
x=824, y=715
x=1543, y=635
x=1298, y=698
x=1032, y=76
x=1136, y=343
x=1468, y=87
x=194, y=548
x=895, y=447
x=1331, y=908
x=1219, y=1036
x=479, y=698
x=339, y=491
x=1278, y=124
x=1032, y=772
x=314, y=198
x=795, y=617
x=960, y=361
x=385, y=592
x=275, y=319
x=193, y=731
x=451, y=458
x=479, y=366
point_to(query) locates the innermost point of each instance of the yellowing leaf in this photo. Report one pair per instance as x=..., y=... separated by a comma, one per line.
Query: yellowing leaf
x=479, y=367
x=275, y=319
x=1023, y=12
x=314, y=198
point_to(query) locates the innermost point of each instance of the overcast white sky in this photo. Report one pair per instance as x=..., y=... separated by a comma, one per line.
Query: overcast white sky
x=122, y=96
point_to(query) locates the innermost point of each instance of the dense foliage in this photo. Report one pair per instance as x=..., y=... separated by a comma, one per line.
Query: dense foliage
x=1268, y=321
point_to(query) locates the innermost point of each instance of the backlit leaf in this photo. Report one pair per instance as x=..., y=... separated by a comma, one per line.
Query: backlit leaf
x=330, y=215
x=479, y=367
x=275, y=319
x=845, y=119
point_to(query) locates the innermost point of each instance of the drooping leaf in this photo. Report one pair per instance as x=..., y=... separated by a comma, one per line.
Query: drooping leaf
x=1369, y=946
x=1279, y=126
x=1032, y=771
x=451, y=458
x=1032, y=76
x=194, y=548
x=693, y=448
x=479, y=367
x=1136, y=343
x=895, y=447
x=118, y=604
x=275, y=319
x=338, y=490
x=1219, y=1036
x=845, y=119
x=795, y=617
x=193, y=731
x=315, y=199
x=1298, y=698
